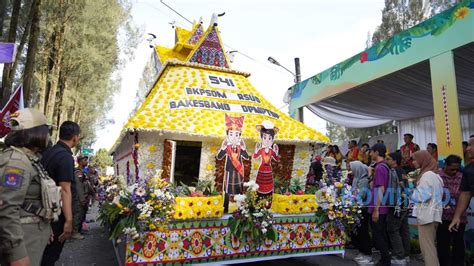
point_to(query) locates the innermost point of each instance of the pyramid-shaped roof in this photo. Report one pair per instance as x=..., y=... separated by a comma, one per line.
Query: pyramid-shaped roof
x=190, y=97
x=191, y=100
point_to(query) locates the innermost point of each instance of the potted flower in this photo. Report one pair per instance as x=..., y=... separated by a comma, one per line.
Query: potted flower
x=200, y=203
x=294, y=200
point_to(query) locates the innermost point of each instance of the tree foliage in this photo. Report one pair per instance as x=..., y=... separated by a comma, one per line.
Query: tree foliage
x=101, y=160
x=73, y=53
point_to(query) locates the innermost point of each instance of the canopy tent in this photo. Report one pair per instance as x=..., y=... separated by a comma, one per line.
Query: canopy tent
x=425, y=71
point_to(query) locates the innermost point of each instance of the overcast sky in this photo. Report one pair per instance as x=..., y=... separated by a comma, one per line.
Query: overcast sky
x=320, y=32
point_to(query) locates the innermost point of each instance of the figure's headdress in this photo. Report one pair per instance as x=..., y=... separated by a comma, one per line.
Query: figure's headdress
x=234, y=123
x=267, y=125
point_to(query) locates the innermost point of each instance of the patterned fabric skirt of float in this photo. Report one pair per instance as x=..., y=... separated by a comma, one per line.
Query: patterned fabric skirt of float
x=211, y=241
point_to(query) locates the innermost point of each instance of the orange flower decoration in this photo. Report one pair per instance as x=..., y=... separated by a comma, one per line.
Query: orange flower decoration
x=461, y=13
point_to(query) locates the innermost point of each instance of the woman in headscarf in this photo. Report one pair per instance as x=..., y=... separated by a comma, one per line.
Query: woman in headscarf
x=428, y=209
x=361, y=238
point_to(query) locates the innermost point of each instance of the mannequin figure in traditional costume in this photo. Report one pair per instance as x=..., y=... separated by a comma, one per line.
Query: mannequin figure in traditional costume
x=234, y=149
x=268, y=152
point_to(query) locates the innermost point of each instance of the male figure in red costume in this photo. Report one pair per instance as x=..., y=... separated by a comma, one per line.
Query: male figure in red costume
x=233, y=147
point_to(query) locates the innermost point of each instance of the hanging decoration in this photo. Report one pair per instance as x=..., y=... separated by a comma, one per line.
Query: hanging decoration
x=136, y=146
x=446, y=115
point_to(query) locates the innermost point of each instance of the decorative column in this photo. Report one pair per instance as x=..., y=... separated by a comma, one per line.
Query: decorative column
x=445, y=105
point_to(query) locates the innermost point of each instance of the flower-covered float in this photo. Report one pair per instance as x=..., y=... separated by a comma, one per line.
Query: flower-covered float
x=202, y=132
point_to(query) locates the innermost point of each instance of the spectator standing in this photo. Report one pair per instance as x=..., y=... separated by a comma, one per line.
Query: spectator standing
x=467, y=187
x=81, y=204
x=450, y=245
x=59, y=163
x=364, y=154
x=378, y=208
x=330, y=152
x=397, y=219
x=464, y=150
x=407, y=150
x=338, y=156
x=353, y=153
x=24, y=231
x=428, y=207
x=432, y=148
x=361, y=238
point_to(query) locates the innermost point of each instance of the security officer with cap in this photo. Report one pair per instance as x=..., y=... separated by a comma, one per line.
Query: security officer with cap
x=24, y=225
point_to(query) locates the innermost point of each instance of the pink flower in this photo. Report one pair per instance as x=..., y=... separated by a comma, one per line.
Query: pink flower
x=140, y=192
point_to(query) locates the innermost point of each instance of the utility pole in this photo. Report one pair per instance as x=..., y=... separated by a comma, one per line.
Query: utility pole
x=297, y=81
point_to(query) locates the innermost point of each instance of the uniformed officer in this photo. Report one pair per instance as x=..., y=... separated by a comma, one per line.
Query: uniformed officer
x=80, y=206
x=23, y=232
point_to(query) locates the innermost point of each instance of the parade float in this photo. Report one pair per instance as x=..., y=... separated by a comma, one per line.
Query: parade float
x=194, y=162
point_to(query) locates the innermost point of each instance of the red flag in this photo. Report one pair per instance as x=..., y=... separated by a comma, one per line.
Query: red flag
x=14, y=104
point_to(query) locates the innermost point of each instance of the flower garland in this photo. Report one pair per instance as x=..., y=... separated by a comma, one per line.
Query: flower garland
x=136, y=146
x=252, y=219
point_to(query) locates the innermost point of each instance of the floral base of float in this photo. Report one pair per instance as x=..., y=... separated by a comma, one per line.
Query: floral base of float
x=198, y=207
x=294, y=204
x=208, y=241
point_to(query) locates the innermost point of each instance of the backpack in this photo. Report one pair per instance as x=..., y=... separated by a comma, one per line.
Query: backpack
x=393, y=188
x=50, y=193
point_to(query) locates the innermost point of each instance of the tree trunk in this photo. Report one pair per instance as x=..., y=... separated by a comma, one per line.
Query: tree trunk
x=3, y=12
x=24, y=38
x=6, y=82
x=32, y=50
x=54, y=74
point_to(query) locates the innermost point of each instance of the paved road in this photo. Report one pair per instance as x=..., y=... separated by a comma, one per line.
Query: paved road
x=97, y=250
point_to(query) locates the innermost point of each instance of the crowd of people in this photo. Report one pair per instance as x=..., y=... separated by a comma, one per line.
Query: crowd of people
x=44, y=192
x=394, y=185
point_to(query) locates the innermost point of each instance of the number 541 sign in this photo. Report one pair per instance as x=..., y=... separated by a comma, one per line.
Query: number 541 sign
x=221, y=82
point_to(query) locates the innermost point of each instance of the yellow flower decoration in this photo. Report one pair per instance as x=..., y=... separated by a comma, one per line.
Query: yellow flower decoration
x=150, y=165
x=303, y=155
x=299, y=172
x=461, y=13
x=209, y=167
x=189, y=207
x=152, y=148
x=294, y=204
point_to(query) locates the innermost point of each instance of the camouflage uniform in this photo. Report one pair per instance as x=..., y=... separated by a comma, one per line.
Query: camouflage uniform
x=80, y=200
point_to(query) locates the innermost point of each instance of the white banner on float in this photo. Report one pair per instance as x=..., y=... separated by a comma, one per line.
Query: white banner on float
x=221, y=94
x=218, y=106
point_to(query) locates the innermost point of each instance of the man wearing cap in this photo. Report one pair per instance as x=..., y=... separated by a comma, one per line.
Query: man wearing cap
x=80, y=205
x=407, y=151
x=59, y=163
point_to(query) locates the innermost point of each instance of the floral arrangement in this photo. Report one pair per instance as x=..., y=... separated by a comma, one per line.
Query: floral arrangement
x=202, y=201
x=294, y=204
x=141, y=207
x=251, y=218
x=198, y=207
x=338, y=203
